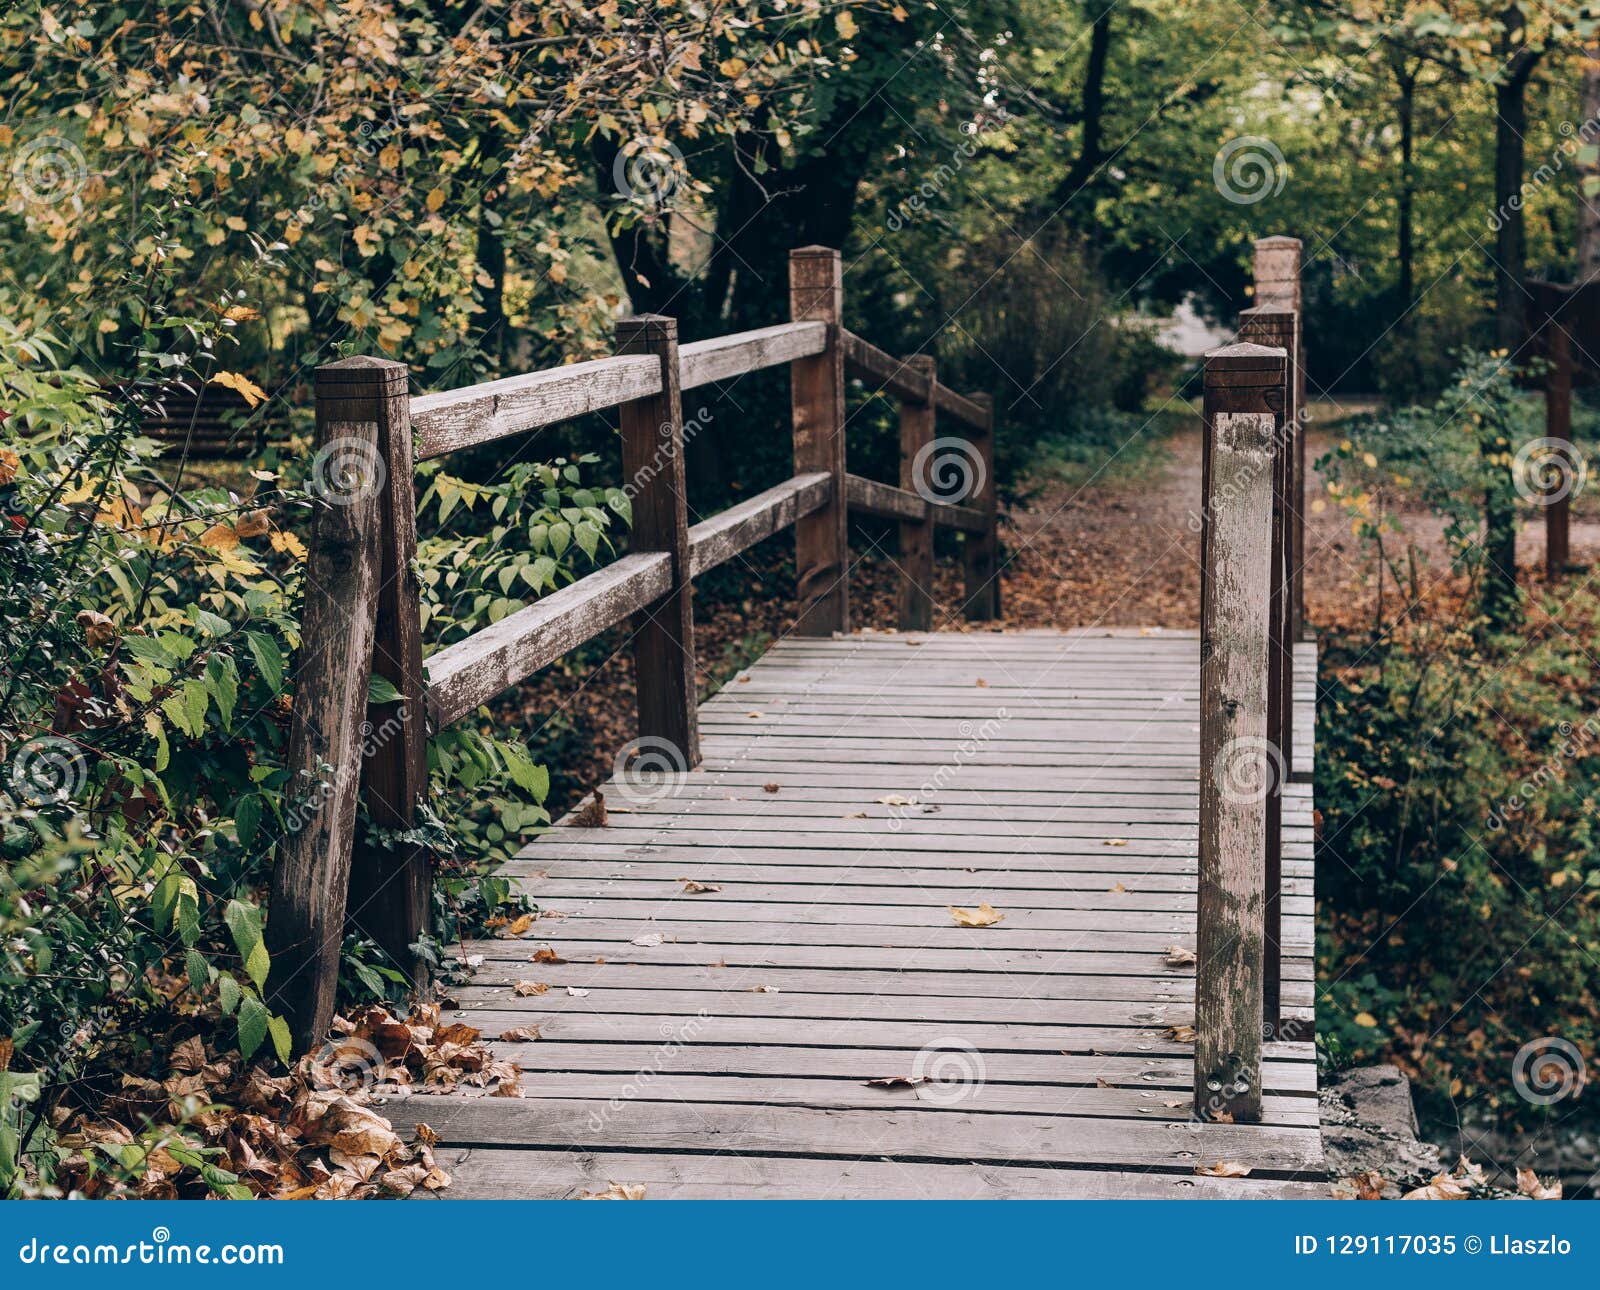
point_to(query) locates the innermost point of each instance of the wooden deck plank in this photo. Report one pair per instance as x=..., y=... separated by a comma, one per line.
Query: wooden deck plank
x=719, y=1043
x=482, y=1173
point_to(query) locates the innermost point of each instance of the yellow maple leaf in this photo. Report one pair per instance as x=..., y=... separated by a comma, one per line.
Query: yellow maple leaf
x=435, y=199
x=985, y=915
x=253, y=393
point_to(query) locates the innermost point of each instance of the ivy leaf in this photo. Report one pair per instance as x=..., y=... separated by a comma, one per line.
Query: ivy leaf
x=268, y=657
x=253, y=1021
x=222, y=680
x=278, y=1028
x=188, y=911
x=247, y=818
x=381, y=690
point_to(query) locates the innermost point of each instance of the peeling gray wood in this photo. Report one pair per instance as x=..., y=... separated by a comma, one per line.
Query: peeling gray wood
x=482, y=413
x=724, y=357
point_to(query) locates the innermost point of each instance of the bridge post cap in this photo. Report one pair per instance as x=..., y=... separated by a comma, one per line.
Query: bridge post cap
x=1279, y=242
x=635, y=325
x=806, y=252
x=1267, y=311
x=361, y=373
x=1246, y=356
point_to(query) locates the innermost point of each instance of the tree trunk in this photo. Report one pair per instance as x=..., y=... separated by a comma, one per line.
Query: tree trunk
x=1091, y=151
x=1405, y=250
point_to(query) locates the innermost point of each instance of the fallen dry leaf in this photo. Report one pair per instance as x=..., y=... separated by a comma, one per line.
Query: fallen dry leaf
x=577, y=992
x=899, y=1081
x=592, y=814
x=1103, y=1083
x=616, y=1191
x=763, y=989
x=1116, y=842
x=506, y=928
x=857, y=815
x=691, y=887
x=1443, y=1187
x=981, y=683
x=527, y=989
x=769, y=788
x=895, y=799
x=1178, y=956
x=985, y=915
x=545, y=954
x=1224, y=1169
x=519, y=1034
x=1117, y=889
x=1181, y=1034
x=1367, y=1186
x=649, y=939
x=1529, y=1185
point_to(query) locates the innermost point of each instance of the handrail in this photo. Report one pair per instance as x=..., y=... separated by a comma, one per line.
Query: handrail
x=474, y=670
x=724, y=357
x=362, y=594
x=482, y=413
x=900, y=378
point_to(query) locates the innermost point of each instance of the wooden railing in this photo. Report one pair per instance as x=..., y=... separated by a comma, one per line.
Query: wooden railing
x=1252, y=613
x=361, y=610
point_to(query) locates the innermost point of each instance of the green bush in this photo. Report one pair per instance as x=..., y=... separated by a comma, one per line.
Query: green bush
x=1458, y=777
x=148, y=638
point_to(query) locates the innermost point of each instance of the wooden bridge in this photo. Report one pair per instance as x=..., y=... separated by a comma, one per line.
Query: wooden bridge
x=919, y=914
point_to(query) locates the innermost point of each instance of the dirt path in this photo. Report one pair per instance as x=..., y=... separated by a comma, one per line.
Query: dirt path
x=1126, y=553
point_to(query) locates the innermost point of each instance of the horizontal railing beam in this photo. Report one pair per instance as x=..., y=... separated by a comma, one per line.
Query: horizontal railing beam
x=962, y=408
x=483, y=413
x=897, y=376
x=906, y=380
x=724, y=357
x=886, y=502
x=718, y=539
x=473, y=671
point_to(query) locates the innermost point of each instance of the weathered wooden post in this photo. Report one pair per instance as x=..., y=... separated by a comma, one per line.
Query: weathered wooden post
x=311, y=876
x=391, y=885
x=652, y=462
x=1243, y=401
x=916, y=536
x=822, y=553
x=1277, y=282
x=981, y=550
x=1276, y=328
